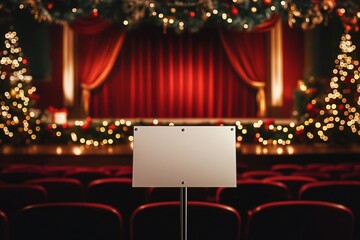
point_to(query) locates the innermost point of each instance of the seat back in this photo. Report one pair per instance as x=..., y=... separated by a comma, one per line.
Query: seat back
x=4, y=226
x=286, y=168
x=258, y=174
x=161, y=221
x=59, y=221
x=20, y=175
x=165, y=194
x=251, y=193
x=346, y=193
x=293, y=182
x=85, y=176
x=61, y=189
x=300, y=220
x=117, y=192
x=15, y=197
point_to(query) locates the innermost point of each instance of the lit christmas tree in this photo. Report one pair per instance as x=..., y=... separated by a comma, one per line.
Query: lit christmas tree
x=18, y=123
x=335, y=118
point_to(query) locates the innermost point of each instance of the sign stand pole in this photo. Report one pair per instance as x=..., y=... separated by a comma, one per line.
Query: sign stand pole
x=183, y=212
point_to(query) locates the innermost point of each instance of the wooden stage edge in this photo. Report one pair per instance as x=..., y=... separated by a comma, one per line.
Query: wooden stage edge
x=254, y=155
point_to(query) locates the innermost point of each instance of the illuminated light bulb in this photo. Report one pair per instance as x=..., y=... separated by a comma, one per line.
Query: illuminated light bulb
x=244, y=131
x=126, y=22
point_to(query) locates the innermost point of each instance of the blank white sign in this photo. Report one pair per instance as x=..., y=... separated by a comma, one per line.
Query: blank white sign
x=184, y=156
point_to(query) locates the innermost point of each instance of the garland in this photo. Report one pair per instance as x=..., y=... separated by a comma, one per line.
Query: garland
x=190, y=15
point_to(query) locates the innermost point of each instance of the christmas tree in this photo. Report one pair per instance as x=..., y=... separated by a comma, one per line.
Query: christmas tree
x=18, y=123
x=335, y=117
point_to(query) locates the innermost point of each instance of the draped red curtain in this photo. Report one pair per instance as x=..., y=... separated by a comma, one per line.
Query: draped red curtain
x=187, y=75
x=99, y=45
x=246, y=52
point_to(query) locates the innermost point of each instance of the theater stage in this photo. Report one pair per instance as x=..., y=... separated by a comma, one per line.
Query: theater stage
x=255, y=156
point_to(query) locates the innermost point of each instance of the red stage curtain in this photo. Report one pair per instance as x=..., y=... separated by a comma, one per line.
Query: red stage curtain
x=98, y=48
x=246, y=53
x=187, y=75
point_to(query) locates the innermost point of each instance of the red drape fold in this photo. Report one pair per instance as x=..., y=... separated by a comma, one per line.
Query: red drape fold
x=97, y=57
x=247, y=54
x=91, y=25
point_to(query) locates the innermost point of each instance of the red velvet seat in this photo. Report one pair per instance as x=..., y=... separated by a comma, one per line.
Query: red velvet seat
x=350, y=176
x=335, y=171
x=15, y=197
x=165, y=194
x=293, y=182
x=61, y=189
x=70, y=221
x=258, y=174
x=86, y=175
x=117, y=170
x=251, y=193
x=287, y=168
x=300, y=220
x=118, y=193
x=20, y=175
x=4, y=226
x=320, y=176
x=316, y=166
x=161, y=221
x=346, y=193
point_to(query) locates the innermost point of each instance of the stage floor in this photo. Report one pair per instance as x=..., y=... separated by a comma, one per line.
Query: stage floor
x=254, y=155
